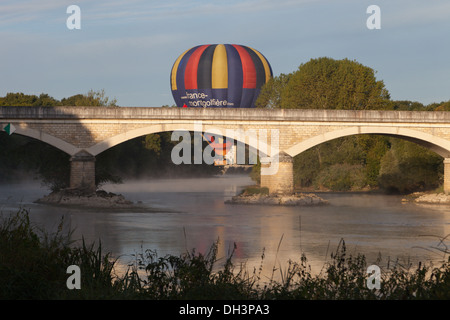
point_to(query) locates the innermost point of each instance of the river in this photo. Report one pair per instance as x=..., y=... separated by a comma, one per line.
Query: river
x=190, y=213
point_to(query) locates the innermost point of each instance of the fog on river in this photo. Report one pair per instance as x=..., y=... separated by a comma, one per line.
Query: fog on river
x=191, y=213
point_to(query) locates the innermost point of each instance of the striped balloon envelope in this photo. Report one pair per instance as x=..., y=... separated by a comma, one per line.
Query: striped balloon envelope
x=219, y=75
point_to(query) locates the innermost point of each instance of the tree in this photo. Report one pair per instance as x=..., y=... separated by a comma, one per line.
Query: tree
x=443, y=106
x=153, y=142
x=270, y=95
x=20, y=99
x=409, y=167
x=92, y=98
x=325, y=83
x=405, y=105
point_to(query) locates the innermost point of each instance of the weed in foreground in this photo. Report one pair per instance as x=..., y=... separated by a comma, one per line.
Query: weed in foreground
x=33, y=266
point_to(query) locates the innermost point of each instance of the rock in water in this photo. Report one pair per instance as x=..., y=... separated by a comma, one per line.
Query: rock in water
x=434, y=198
x=99, y=199
x=278, y=200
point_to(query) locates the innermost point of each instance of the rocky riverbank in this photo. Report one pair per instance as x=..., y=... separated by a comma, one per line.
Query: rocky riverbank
x=429, y=198
x=278, y=200
x=99, y=199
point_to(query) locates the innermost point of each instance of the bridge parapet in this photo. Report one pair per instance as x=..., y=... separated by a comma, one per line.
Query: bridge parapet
x=236, y=114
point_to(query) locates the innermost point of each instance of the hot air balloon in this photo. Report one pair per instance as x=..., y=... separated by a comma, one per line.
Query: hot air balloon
x=221, y=76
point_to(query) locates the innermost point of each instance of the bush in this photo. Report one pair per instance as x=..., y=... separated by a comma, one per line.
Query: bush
x=407, y=167
x=341, y=177
x=255, y=190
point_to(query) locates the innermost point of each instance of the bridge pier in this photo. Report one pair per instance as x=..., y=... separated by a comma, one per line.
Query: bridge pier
x=447, y=176
x=82, y=172
x=282, y=181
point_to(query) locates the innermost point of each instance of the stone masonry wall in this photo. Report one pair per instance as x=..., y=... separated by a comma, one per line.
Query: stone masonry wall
x=82, y=174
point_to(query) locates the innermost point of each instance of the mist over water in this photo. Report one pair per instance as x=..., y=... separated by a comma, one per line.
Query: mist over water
x=190, y=213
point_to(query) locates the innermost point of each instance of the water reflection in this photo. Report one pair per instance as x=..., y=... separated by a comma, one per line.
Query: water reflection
x=191, y=214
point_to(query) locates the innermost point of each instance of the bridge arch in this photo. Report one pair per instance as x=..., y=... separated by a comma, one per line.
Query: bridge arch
x=261, y=146
x=436, y=144
x=47, y=138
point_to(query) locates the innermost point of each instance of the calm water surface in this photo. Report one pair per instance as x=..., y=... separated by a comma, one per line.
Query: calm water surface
x=190, y=213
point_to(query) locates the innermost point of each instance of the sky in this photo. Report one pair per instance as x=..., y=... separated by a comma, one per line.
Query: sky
x=127, y=48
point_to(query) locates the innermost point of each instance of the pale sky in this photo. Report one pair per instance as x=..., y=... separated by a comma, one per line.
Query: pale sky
x=128, y=47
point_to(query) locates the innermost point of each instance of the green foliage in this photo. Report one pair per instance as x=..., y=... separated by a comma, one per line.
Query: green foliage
x=252, y=190
x=255, y=174
x=307, y=166
x=270, y=95
x=358, y=163
x=20, y=99
x=350, y=163
x=409, y=167
x=325, y=83
x=405, y=105
x=153, y=142
x=341, y=177
x=188, y=276
x=374, y=148
x=443, y=106
x=92, y=98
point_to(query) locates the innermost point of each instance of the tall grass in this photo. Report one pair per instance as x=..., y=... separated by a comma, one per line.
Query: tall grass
x=33, y=265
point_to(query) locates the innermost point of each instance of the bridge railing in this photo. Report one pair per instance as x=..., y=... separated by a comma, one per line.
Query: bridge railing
x=244, y=114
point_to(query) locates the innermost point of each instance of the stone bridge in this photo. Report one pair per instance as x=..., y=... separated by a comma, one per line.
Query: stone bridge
x=84, y=132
